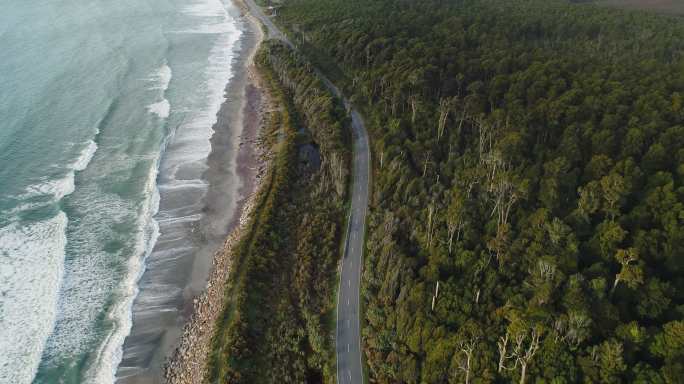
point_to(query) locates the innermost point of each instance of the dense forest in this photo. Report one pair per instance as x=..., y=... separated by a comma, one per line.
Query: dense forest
x=278, y=325
x=527, y=218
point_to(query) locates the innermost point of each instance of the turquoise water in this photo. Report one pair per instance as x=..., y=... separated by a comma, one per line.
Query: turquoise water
x=92, y=92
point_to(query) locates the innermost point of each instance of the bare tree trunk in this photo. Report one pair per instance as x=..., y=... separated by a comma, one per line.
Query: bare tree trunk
x=429, y=228
x=443, y=115
x=525, y=357
x=414, y=108
x=460, y=123
x=467, y=378
x=467, y=347
x=615, y=284
x=523, y=370
x=434, y=297
x=503, y=346
x=425, y=163
x=452, y=230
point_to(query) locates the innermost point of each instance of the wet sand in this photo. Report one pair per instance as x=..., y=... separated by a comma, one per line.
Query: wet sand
x=179, y=269
x=187, y=365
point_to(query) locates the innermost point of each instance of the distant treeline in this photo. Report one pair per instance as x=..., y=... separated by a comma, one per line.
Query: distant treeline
x=279, y=324
x=527, y=219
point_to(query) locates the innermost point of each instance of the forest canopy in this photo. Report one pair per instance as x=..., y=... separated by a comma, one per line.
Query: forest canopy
x=527, y=218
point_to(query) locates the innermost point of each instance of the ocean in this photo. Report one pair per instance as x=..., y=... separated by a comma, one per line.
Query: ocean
x=106, y=115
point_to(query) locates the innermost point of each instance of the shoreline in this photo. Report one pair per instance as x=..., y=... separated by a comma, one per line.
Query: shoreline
x=187, y=363
x=234, y=170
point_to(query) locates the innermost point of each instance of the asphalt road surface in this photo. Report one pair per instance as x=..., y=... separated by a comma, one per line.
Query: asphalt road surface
x=348, y=334
x=348, y=340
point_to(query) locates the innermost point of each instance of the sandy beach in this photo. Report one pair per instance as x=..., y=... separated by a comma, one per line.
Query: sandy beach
x=187, y=365
x=178, y=336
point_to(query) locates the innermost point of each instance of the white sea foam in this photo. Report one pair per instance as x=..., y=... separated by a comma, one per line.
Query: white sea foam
x=205, y=9
x=110, y=354
x=214, y=16
x=65, y=185
x=161, y=79
x=56, y=188
x=194, y=139
x=181, y=219
x=85, y=157
x=161, y=109
x=212, y=28
x=195, y=135
x=29, y=293
x=82, y=296
x=183, y=184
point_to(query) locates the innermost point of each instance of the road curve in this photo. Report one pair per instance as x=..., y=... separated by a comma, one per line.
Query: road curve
x=348, y=333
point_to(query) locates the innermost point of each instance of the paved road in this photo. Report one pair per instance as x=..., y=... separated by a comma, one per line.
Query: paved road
x=348, y=340
x=348, y=337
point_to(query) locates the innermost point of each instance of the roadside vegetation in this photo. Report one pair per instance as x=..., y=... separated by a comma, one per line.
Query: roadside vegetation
x=277, y=326
x=527, y=218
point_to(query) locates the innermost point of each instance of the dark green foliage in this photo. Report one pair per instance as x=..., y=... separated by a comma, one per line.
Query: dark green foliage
x=529, y=158
x=277, y=325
